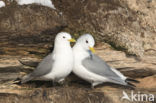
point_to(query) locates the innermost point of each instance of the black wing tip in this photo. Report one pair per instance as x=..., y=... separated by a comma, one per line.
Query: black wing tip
x=130, y=85
x=30, y=64
x=21, y=62
x=132, y=80
x=17, y=81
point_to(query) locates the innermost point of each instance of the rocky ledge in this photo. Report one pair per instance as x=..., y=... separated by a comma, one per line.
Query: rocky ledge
x=74, y=90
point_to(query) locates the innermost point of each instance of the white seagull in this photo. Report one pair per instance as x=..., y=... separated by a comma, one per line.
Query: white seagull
x=91, y=67
x=58, y=64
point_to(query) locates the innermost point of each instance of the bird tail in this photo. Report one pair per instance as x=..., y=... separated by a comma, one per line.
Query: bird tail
x=122, y=82
x=118, y=81
x=132, y=80
x=26, y=78
x=129, y=80
x=30, y=63
x=130, y=85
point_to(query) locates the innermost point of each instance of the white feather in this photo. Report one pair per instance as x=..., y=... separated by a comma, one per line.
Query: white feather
x=2, y=4
x=119, y=74
x=47, y=3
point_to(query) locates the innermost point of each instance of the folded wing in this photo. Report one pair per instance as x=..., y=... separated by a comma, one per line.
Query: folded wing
x=44, y=67
x=98, y=66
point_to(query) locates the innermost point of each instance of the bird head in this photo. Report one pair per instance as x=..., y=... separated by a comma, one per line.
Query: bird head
x=87, y=42
x=64, y=37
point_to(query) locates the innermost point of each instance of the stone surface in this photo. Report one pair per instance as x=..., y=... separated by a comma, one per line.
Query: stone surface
x=127, y=25
x=29, y=23
x=29, y=19
x=75, y=90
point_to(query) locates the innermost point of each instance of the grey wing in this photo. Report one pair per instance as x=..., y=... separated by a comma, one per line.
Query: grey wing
x=44, y=67
x=97, y=65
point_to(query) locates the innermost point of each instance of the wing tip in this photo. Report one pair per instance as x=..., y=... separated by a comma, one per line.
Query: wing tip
x=17, y=81
x=130, y=85
x=132, y=80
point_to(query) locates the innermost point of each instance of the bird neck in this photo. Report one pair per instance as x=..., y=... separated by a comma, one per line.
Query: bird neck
x=62, y=47
x=79, y=52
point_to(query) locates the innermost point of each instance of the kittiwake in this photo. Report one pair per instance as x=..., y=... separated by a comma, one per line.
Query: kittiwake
x=91, y=67
x=58, y=64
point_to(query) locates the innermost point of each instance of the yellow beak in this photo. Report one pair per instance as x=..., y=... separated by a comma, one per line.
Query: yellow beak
x=72, y=40
x=92, y=49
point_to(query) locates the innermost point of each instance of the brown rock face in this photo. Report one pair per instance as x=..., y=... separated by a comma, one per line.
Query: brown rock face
x=75, y=90
x=118, y=22
x=29, y=23
x=126, y=25
x=29, y=19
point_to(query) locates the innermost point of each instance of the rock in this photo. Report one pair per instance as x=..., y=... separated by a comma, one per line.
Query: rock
x=30, y=23
x=144, y=82
x=126, y=25
x=75, y=89
x=29, y=19
x=117, y=22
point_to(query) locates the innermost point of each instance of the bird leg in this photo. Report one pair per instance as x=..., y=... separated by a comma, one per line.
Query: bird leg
x=54, y=83
x=92, y=84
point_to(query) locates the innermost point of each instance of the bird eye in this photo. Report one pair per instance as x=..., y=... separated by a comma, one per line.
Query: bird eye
x=86, y=41
x=64, y=37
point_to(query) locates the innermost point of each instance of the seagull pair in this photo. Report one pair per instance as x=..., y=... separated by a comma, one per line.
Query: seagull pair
x=81, y=60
